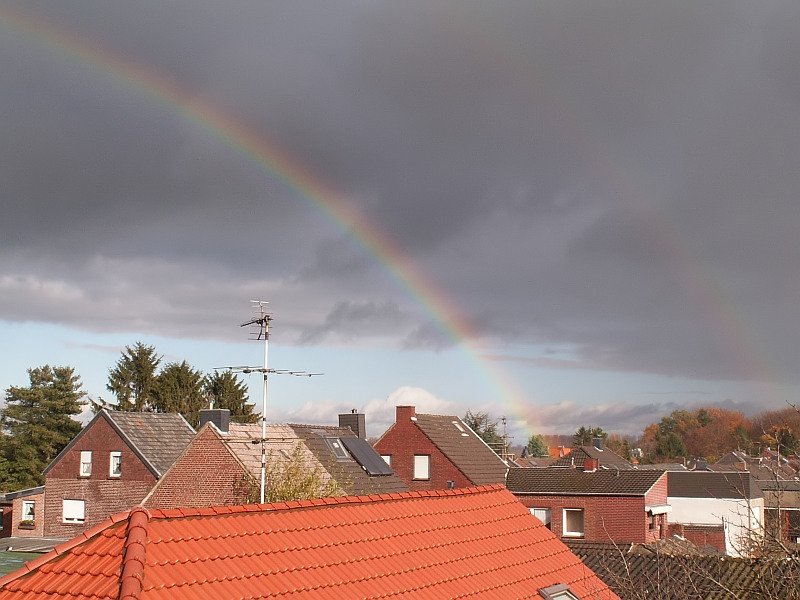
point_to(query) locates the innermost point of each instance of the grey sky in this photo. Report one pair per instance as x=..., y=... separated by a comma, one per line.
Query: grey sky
x=615, y=181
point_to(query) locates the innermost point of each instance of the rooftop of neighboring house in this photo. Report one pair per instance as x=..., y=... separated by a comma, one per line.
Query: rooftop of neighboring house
x=767, y=467
x=460, y=444
x=606, y=458
x=350, y=460
x=712, y=484
x=662, y=467
x=158, y=439
x=568, y=482
x=479, y=542
x=636, y=571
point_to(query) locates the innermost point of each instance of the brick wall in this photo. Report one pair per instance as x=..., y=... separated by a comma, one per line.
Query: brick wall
x=206, y=474
x=606, y=518
x=704, y=535
x=103, y=494
x=38, y=520
x=403, y=440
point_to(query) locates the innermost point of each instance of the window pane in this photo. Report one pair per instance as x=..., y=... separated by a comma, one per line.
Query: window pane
x=422, y=466
x=86, y=462
x=543, y=514
x=73, y=511
x=573, y=521
x=28, y=510
x=115, y=465
x=387, y=459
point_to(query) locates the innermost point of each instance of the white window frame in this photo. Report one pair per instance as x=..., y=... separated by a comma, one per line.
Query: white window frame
x=28, y=510
x=545, y=515
x=387, y=458
x=422, y=467
x=560, y=591
x=86, y=463
x=115, y=459
x=73, y=511
x=571, y=533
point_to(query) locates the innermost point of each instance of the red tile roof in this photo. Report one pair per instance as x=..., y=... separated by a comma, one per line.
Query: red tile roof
x=476, y=542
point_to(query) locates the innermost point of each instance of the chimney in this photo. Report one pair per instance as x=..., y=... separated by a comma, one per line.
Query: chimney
x=220, y=417
x=597, y=443
x=590, y=465
x=701, y=465
x=405, y=413
x=355, y=421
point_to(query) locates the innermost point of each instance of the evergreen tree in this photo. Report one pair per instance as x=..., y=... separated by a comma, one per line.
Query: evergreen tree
x=485, y=427
x=179, y=389
x=536, y=445
x=585, y=435
x=37, y=422
x=225, y=390
x=133, y=378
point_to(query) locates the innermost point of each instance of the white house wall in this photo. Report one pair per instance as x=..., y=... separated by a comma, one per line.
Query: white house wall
x=741, y=518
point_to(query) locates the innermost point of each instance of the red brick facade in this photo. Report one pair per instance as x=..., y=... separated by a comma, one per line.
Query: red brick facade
x=206, y=474
x=102, y=493
x=608, y=518
x=701, y=535
x=26, y=530
x=403, y=441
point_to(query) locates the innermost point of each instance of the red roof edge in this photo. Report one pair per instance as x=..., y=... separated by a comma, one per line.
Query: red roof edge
x=156, y=513
x=63, y=548
x=133, y=555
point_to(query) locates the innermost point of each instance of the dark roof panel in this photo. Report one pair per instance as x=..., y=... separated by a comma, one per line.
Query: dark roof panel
x=712, y=484
x=561, y=481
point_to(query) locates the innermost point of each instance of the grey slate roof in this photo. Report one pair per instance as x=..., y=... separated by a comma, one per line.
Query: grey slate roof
x=479, y=463
x=712, y=484
x=348, y=473
x=570, y=482
x=159, y=437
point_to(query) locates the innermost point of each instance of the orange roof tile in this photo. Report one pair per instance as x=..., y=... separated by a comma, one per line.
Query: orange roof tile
x=476, y=542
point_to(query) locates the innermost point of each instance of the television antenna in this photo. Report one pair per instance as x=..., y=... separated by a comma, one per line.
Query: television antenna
x=259, y=330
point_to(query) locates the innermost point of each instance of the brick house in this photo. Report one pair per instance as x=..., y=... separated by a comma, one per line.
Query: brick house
x=436, y=452
x=721, y=509
x=27, y=512
x=596, y=451
x=109, y=467
x=476, y=542
x=222, y=464
x=595, y=505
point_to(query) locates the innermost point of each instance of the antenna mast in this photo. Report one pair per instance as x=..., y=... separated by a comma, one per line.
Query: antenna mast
x=259, y=330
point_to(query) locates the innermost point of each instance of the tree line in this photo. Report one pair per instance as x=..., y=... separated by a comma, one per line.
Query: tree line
x=708, y=432
x=37, y=420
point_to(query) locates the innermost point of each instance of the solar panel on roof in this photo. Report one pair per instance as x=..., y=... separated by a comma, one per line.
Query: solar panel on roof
x=366, y=456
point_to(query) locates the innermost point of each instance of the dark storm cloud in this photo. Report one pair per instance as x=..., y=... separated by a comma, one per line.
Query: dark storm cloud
x=618, y=178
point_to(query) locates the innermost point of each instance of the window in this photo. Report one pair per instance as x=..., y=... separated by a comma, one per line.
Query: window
x=543, y=514
x=387, y=458
x=86, y=463
x=28, y=510
x=422, y=466
x=573, y=522
x=73, y=511
x=338, y=449
x=559, y=591
x=115, y=464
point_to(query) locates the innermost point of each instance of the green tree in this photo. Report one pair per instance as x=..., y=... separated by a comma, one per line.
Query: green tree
x=289, y=477
x=37, y=423
x=485, y=427
x=536, y=445
x=179, y=389
x=585, y=435
x=133, y=378
x=225, y=390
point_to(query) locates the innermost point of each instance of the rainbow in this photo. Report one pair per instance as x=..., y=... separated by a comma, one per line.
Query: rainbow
x=292, y=173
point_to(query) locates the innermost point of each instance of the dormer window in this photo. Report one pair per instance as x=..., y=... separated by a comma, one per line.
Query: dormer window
x=86, y=463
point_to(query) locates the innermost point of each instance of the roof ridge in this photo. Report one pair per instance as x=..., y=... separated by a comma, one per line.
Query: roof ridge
x=171, y=513
x=133, y=555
